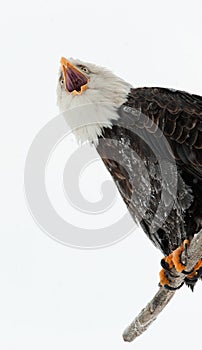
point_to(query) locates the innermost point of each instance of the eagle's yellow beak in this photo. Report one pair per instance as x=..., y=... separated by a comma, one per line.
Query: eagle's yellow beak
x=76, y=82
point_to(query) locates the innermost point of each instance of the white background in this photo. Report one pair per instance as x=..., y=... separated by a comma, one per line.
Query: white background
x=52, y=296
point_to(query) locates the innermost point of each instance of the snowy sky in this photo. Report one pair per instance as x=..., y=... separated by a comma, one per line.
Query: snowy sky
x=52, y=296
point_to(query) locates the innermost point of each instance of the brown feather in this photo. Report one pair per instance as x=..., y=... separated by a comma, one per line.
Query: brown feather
x=130, y=152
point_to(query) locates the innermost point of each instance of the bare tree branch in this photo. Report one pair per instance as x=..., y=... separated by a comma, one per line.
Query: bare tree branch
x=163, y=296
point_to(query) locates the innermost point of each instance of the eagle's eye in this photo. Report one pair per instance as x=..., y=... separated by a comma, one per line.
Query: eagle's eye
x=84, y=69
x=61, y=82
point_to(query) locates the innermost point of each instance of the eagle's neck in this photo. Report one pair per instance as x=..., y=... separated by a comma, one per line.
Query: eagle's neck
x=89, y=114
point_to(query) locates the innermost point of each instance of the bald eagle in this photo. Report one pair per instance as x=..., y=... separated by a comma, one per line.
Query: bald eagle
x=150, y=140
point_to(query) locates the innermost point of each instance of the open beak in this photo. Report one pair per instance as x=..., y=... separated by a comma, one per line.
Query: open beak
x=75, y=81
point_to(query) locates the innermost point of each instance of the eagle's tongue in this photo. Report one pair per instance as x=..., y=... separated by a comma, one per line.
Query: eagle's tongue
x=74, y=79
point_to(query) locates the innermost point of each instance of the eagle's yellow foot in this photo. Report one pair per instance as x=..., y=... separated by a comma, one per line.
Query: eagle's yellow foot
x=165, y=282
x=174, y=260
x=170, y=261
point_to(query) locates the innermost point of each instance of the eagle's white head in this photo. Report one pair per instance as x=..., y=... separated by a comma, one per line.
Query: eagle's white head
x=97, y=90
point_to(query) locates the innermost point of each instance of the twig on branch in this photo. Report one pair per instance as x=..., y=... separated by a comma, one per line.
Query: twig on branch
x=163, y=296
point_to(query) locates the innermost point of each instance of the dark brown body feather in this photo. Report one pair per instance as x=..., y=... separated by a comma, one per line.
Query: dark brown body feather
x=154, y=154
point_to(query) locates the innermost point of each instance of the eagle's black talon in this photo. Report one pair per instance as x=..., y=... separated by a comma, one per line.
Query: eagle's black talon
x=191, y=279
x=165, y=265
x=185, y=248
x=166, y=286
x=186, y=245
x=190, y=282
x=188, y=272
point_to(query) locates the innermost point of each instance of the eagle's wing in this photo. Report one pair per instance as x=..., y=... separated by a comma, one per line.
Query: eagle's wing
x=179, y=115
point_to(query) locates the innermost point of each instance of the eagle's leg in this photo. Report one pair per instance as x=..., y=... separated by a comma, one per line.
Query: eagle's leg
x=167, y=264
x=174, y=261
